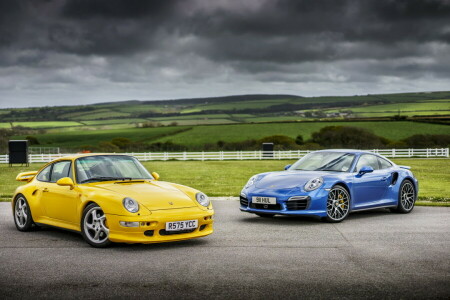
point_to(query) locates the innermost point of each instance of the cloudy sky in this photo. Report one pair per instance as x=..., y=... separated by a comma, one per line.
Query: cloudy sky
x=75, y=52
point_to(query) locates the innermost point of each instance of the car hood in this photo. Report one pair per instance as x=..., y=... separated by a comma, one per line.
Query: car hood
x=154, y=195
x=287, y=179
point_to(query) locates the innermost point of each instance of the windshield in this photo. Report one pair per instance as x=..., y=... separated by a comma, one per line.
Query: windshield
x=325, y=161
x=109, y=167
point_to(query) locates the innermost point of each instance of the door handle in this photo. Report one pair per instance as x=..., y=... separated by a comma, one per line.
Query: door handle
x=45, y=190
x=383, y=179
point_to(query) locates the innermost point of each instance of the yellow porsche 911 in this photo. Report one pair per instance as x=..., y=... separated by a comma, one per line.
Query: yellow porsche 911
x=110, y=198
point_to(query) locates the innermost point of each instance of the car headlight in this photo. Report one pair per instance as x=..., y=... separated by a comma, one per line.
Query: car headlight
x=202, y=199
x=250, y=182
x=313, y=184
x=130, y=204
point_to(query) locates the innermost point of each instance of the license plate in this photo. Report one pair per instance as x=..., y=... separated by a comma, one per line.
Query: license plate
x=264, y=200
x=181, y=225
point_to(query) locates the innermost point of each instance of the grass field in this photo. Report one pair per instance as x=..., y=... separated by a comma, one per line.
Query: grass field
x=93, y=137
x=232, y=133
x=199, y=135
x=226, y=178
x=43, y=124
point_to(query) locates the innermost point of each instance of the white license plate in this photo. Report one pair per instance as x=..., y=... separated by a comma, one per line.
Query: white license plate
x=264, y=200
x=181, y=225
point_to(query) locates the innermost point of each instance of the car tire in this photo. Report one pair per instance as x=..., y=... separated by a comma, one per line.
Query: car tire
x=406, y=197
x=338, y=204
x=265, y=215
x=94, y=226
x=22, y=214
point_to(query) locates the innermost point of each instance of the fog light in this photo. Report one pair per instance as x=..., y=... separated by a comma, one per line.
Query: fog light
x=129, y=224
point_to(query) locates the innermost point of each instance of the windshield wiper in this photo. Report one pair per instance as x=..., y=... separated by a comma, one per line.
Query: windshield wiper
x=103, y=178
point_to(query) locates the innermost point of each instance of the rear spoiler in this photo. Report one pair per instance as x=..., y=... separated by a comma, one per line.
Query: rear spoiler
x=26, y=176
x=405, y=167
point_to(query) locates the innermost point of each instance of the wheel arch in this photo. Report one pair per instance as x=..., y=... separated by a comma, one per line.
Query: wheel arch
x=414, y=183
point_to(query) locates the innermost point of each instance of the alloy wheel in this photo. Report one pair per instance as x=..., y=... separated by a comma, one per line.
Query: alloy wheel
x=95, y=227
x=407, y=196
x=338, y=204
x=21, y=212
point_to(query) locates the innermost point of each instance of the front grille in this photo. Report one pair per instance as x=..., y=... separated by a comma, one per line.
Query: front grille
x=244, y=201
x=266, y=206
x=298, y=203
x=164, y=232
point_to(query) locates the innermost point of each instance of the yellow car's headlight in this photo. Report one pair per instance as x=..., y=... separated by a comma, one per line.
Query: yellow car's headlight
x=130, y=204
x=202, y=199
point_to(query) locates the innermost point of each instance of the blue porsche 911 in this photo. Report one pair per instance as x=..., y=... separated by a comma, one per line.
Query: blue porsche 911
x=330, y=184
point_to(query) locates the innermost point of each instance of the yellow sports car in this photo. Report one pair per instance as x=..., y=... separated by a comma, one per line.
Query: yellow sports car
x=110, y=198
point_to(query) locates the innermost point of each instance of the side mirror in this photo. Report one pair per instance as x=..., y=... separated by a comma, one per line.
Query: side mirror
x=365, y=169
x=155, y=175
x=287, y=167
x=65, y=181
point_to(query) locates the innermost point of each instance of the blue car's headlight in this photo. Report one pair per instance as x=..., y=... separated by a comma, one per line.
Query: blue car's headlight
x=313, y=184
x=250, y=182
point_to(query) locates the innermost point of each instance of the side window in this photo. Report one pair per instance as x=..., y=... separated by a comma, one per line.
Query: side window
x=44, y=175
x=367, y=160
x=60, y=170
x=384, y=164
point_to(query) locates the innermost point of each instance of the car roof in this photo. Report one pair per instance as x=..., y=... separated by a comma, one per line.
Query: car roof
x=78, y=155
x=354, y=151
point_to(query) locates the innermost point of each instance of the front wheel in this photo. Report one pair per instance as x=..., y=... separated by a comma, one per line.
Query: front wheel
x=94, y=227
x=406, y=197
x=338, y=204
x=22, y=214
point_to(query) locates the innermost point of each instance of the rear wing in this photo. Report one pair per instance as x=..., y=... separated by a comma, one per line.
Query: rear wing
x=26, y=176
x=405, y=167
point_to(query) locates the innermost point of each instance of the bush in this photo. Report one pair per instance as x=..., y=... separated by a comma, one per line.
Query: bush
x=299, y=140
x=121, y=142
x=32, y=140
x=108, y=147
x=428, y=141
x=347, y=137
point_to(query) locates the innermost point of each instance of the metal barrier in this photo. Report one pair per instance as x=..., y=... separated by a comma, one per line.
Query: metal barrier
x=247, y=155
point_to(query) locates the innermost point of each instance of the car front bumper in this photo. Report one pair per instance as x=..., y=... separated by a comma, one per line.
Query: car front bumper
x=315, y=205
x=152, y=227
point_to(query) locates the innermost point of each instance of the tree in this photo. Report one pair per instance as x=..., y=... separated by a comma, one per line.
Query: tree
x=299, y=140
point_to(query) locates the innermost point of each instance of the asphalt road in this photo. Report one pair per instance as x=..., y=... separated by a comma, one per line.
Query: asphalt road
x=370, y=255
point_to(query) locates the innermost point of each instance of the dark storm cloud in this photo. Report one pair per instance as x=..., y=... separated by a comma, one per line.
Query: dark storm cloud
x=189, y=48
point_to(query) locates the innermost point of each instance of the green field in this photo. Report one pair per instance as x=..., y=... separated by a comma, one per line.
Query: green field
x=43, y=124
x=405, y=109
x=200, y=135
x=93, y=137
x=226, y=178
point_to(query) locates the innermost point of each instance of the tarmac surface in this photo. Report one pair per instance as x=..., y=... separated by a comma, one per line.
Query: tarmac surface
x=373, y=254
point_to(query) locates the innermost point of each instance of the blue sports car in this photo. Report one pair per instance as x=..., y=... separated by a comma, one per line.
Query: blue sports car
x=330, y=184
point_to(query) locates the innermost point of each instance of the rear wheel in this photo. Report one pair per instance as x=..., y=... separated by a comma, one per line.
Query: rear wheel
x=94, y=227
x=22, y=214
x=265, y=215
x=338, y=204
x=406, y=197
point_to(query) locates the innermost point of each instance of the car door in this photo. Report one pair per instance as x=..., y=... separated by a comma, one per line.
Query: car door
x=369, y=189
x=60, y=202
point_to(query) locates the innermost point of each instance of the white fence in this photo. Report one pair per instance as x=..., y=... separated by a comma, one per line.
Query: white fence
x=246, y=155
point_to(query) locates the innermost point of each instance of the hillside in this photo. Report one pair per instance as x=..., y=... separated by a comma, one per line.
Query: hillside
x=228, y=110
